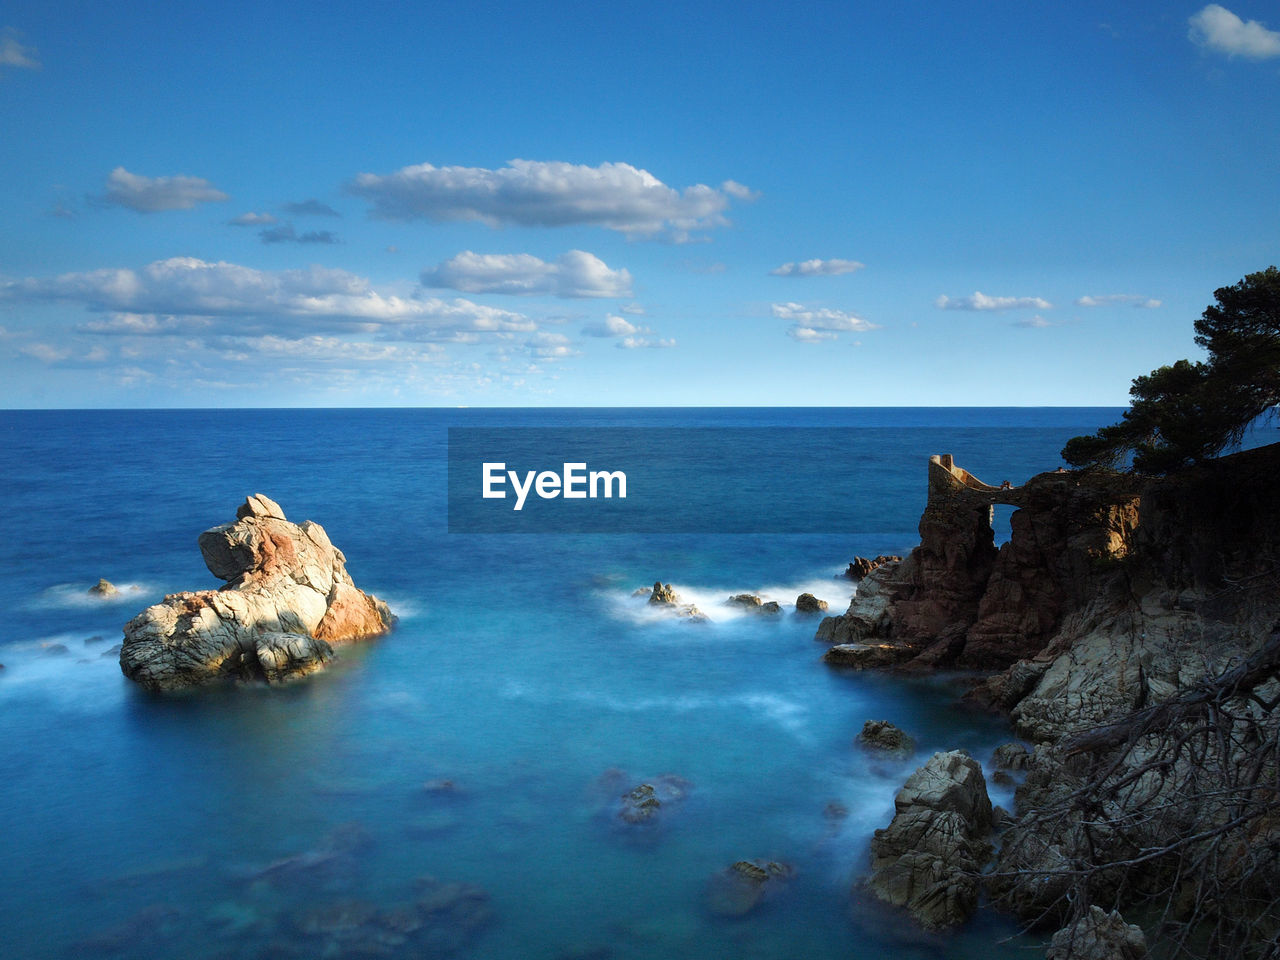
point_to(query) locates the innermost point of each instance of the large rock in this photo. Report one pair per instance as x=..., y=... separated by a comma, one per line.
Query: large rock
x=883, y=736
x=288, y=600
x=1098, y=935
x=928, y=858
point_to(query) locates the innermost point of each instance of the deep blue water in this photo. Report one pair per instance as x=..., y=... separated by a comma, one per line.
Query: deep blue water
x=522, y=669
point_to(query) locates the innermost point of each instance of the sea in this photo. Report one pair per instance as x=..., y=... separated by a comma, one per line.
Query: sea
x=453, y=788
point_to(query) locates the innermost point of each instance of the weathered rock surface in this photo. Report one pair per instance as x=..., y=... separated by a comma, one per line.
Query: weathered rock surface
x=808, y=603
x=958, y=602
x=883, y=736
x=104, y=588
x=928, y=859
x=862, y=566
x=663, y=593
x=664, y=596
x=1011, y=756
x=288, y=600
x=741, y=888
x=861, y=656
x=1098, y=935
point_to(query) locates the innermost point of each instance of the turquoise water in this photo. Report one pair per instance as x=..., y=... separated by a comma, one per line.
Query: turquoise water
x=254, y=822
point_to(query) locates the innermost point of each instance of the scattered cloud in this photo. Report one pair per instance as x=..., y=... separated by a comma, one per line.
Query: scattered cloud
x=153, y=194
x=1218, y=29
x=616, y=196
x=817, y=268
x=811, y=325
x=980, y=301
x=612, y=326
x=550, y=346
x=309, y=208
x=635, y=309
x=1035, y=323
x=250, y=301
x=14, y=54
x=1130, y=299
x=286, y=234
x=637, y=343
x=252, y=220
x=576, y=274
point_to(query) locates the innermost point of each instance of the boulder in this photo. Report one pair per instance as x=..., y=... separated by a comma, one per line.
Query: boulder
x=1011, y=756
x=928, y=858
x=287, y=602
x=883, y=736
x=739, y=889
x=1098, y=935
x=808, y=603
x=104, y=588
x=745, y=600
x=662, y=593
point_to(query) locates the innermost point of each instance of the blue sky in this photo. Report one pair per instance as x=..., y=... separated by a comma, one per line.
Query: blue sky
x=614, y=204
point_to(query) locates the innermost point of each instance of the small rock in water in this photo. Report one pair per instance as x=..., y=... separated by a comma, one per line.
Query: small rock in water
x=640, y=805
x=662, y=593
x=808, y=603
x=90, y=641
x=442, y=787
x=104, y=588
x=747, y=600
x=113, y=652
x=54, y=650
x=739, y=889
x=884, y=736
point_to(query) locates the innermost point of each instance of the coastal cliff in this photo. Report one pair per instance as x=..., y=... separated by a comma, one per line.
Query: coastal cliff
x=1129, y=628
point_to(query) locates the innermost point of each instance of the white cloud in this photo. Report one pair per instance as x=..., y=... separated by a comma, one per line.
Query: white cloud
x=263, y=300
x=616, y=196
x=1217, y=28
x=612, y=326
x=576, y=274
x=286, y=234
x=252, y=220
x=980, y=301
x=810, y=325
x=1121, y=298
x=817, y=268
x=14, y=54
x=636, y=343
x=635, y=309
x=550, y=346
x=153, y=194
x=1035, y=323
x=810, y=335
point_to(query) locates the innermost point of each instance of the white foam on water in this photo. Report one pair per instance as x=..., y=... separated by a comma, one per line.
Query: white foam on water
x=713, y=601
x=76, y=596
x=790, y=715
x=402, y=606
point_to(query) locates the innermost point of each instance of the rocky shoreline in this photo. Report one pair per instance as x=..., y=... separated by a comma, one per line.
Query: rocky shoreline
x=1129, y=628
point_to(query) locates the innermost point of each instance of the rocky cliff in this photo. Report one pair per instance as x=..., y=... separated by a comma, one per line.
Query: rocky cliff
x=1131, y=629
x=287, y=601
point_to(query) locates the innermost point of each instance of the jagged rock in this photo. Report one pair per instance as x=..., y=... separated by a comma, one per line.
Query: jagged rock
x=863, y=655
x=1098, y=935
x=869, y=613
x=739, y=889
x=928, y=858
x=883, y=736
x=662, y=593
x=1011, y=756
x=745, y=600
x=104, y=588
x=861, y=566
x=287, y=601
x=808, y=603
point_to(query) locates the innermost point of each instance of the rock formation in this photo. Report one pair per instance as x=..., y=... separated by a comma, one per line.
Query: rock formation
x=808, y=603
x=884, y=737
x=104, y=588
x=287, y=602
x=1133, y=627
x=928, y=858
x=741, y=888
x=862, y=566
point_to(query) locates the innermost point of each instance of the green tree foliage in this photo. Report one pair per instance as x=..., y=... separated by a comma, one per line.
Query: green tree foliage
x=1188, y=412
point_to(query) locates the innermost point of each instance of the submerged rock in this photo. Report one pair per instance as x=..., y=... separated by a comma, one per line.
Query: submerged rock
x=928, y=858
x=739, y=889
x=104, y=588
x=883, y=736
x=643, y=805
x=860, y=656
x=288, y=600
